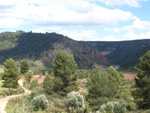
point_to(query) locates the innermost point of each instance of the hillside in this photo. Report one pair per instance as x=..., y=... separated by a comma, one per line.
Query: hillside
x=123, y=53
x=43, y=47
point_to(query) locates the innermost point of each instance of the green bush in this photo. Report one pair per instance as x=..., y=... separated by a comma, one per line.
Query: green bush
x=19, y=105
x=6, y=92
x=57, y=102
x=39, y=102
x=75, y=101
x=34, y=84
x=113, y=107
x=28, y=76
x=17, y=109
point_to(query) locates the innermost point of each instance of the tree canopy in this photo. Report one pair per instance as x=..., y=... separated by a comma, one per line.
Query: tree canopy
x=101, y=88
x=64, y=67
x=11, y=74
x=143, y=81
x=24, y=68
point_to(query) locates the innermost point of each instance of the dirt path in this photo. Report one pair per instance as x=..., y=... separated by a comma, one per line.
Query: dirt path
x=4, y=101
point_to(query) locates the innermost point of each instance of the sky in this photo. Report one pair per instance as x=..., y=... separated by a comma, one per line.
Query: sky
x=83, y=20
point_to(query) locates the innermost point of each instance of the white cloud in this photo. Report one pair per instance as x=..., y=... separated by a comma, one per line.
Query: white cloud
x=131, y=3
x=8, y=3
x=86, y=35
x=127, y=36
x=110, y=38
x=47, y=29
x=137, y=25
x=9, y=23
x=133, y=36
x=61, y=12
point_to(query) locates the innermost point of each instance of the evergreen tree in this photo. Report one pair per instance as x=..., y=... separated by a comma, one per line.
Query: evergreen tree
x=28, y=76
x=101, y=88
x=11, y=74
x=50, y=72
x=64, y=67
x=118, y=77
x=24, y=68
x=143, y=81
x=48, y=85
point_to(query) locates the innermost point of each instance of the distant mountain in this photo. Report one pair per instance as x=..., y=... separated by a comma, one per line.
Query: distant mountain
x=43, y=47
x=123, y=53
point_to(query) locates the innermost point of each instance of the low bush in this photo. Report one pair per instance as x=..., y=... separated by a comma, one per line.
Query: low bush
x=19, y=105
x=75, y=102
x=6, y=92
x=113, y=107
x=39, y=102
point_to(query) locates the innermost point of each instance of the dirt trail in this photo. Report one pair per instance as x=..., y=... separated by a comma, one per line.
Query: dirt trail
x=4, y=101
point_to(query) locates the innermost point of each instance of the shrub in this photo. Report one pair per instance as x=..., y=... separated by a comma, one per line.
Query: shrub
x=48, y=85
x=101, y=88
x=113, y=107
x=57, y=102
x=28, y=76
x=75, y=101
x=39, y=102
x=34, y=84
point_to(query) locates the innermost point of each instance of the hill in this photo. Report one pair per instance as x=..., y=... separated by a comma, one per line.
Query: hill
x=43, y=47
x=123, y=53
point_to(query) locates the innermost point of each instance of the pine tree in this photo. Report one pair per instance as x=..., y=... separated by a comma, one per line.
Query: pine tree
x=50, y=72
x=24, y=68
x=48, y=85
x=101, y=88
x=64, y=67
x=11, y=74
x=143, y=81
x=118, y=77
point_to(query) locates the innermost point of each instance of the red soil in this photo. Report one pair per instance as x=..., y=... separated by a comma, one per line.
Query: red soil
x=129, y=76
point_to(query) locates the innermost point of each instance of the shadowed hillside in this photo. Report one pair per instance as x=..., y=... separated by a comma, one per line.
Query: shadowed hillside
x=123, y=53
x=43, y=47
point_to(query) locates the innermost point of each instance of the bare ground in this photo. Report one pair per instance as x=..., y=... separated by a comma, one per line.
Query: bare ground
x=130, y=76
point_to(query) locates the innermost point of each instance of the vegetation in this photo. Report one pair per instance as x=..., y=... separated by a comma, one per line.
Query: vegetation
x=142, y=92
x=6, y=92
x=64, y=67
x=11, y=74
x=123, y=53
x=39, y=102
x=113, y=107
x=101, y=86
x=28, y=76
x=117, y=77
x=24, y=68
x=101, y=90
x=75, y=102
x=43, y=47
x=48, y=85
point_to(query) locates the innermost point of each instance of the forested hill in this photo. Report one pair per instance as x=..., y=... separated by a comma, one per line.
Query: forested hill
x=43, y=47
x=123, y=53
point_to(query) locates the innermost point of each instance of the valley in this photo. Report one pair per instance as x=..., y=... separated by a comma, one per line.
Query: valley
x=60, y=75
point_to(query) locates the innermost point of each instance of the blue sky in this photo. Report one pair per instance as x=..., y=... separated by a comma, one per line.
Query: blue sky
x=88, y=20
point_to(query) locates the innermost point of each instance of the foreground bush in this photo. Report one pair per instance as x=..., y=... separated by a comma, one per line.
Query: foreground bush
x=6, y=92
x=113, y=107
x=28, y=76
x=39, y=102
x=102, y=88
x=75, y=102
x=19, y=105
